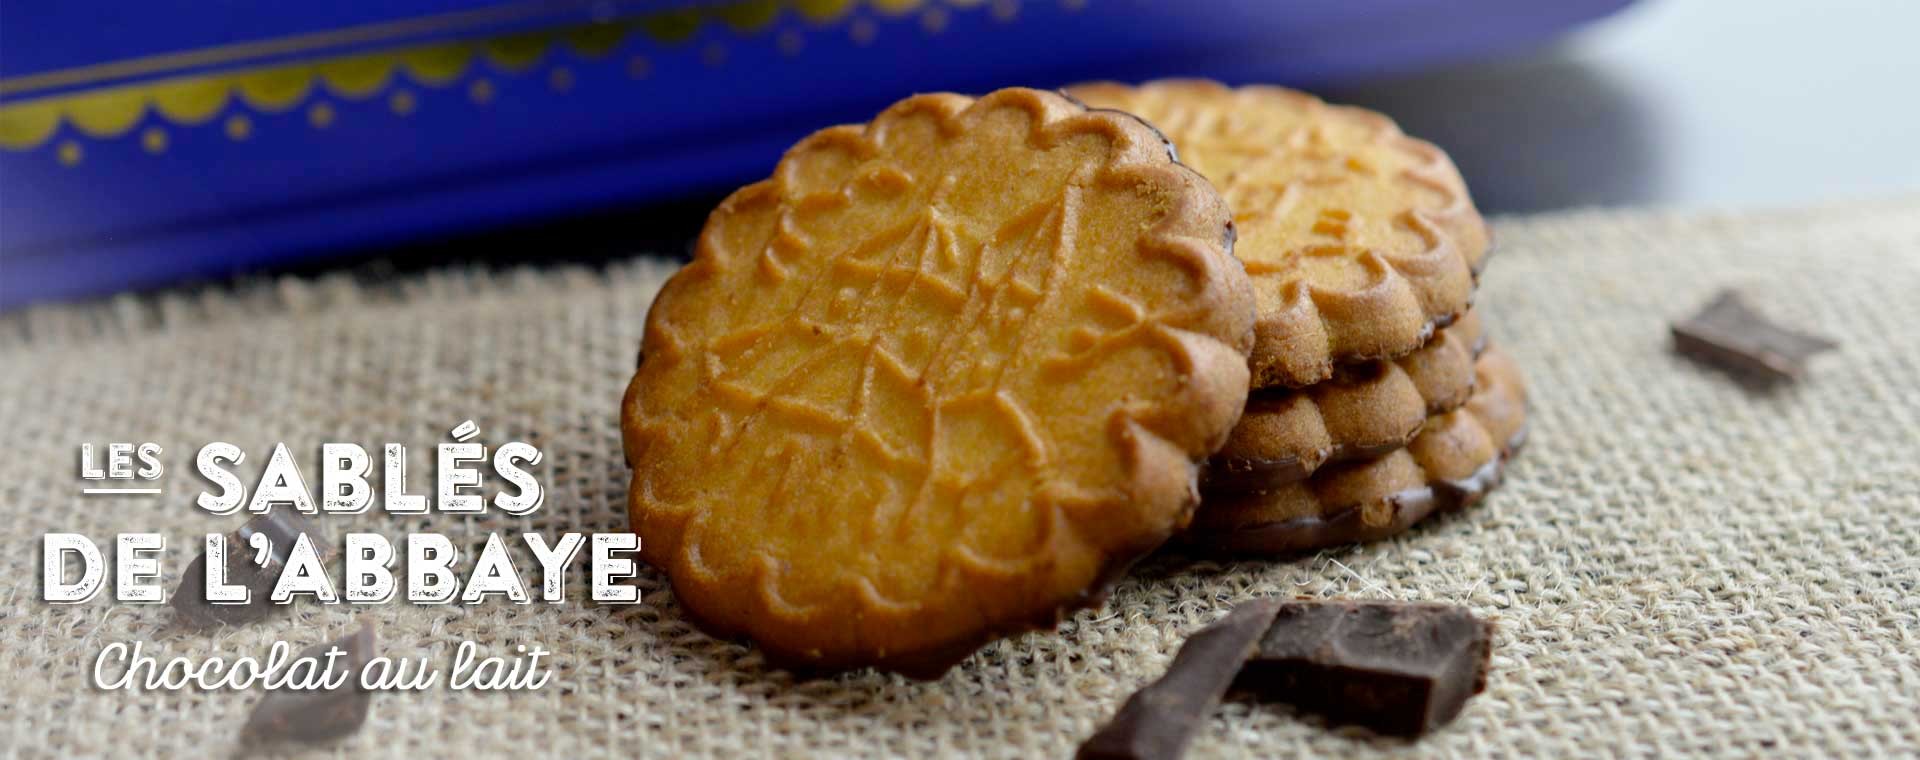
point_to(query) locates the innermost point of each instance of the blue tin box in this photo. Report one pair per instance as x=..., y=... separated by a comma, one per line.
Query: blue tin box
x=152, y=142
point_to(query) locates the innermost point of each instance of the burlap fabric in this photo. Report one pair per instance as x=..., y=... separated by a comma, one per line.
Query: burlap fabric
x=1678, y=564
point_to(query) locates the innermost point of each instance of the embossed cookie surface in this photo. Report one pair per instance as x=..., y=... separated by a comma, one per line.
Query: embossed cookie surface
x=939, y=379
x=1360, y=239
x=1455, y=460
x=1365, y=410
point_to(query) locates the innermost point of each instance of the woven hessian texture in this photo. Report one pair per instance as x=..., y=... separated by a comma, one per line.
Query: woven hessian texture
x=1678, y=563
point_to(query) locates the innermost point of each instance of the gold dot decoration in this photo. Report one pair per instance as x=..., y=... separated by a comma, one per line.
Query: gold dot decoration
x=239, y=127
x=480, y=91
x=862, y=31
x=933, y=19
x=321, y=115
x=402, y=102
x=790, y=43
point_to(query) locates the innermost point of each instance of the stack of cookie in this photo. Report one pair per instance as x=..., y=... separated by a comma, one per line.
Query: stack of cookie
x=1376, y=399
x=943, y=376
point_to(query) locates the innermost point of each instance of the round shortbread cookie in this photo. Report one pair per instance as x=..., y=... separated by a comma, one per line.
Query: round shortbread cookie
x=1364, y=411
x=940, y=379
x=1456, y=459
x=1360, y=240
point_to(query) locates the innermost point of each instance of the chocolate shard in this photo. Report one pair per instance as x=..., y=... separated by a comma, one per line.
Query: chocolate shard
x=1159, y=720
x=1730, y=334
x=282, y=526
x=1401, y=668
x=317, y=715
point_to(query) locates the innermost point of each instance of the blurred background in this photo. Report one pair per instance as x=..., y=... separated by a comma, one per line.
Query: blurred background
x=187, y=143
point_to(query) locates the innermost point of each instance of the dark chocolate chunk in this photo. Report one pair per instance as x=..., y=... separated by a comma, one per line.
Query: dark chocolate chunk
x=317, y=715
x=1730, y=334
x=1401, y=668
x=1159, y=720
x=282, y=526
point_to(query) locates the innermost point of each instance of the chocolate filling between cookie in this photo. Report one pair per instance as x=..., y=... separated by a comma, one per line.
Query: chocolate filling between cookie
x=1235, y=470
x=1349, y=525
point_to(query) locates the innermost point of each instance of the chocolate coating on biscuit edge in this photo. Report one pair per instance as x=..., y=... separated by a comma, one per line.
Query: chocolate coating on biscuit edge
x=1305, y=534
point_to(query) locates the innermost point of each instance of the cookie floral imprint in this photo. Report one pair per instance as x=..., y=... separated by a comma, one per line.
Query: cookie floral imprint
x=938, y=379
x=1360, y=239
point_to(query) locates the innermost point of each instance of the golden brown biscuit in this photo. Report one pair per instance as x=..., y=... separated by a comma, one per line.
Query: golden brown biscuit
x=1364, y=411
x=1360, y=239
x=937, y=380
x=1454, y=461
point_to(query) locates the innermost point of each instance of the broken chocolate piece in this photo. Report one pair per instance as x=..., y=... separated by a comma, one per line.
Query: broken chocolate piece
x=1401, y=668
x=1730, y=334
x=282, y=526
x=317, y=715
x=1159, y=719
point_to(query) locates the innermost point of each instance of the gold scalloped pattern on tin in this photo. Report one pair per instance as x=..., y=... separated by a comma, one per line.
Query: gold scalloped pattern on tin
x=184, y=100
x=1360, y=239
x=936, y=380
